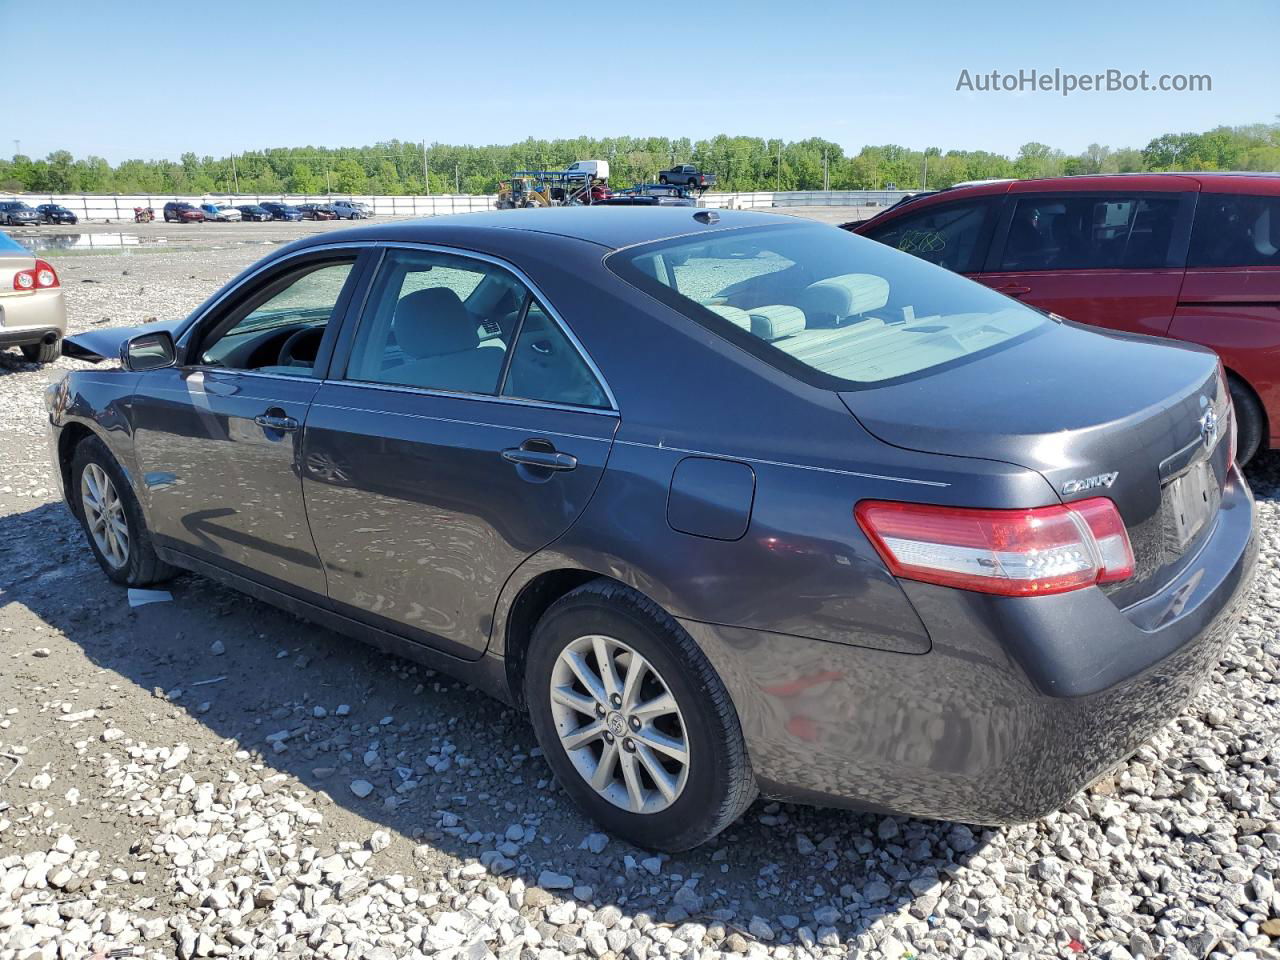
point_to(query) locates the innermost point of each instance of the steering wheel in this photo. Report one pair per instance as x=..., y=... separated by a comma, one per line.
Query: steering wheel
x=302, y=347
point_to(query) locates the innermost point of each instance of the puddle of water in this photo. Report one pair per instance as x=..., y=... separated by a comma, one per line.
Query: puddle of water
x=39, y=243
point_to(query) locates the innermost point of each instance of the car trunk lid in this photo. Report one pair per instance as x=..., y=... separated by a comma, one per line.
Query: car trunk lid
x=1097, y=414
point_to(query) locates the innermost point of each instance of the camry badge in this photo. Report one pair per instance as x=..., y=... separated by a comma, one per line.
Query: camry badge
x=1209, y=428
x=1089, y=483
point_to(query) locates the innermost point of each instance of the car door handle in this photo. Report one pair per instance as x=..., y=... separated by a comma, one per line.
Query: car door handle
x=269, y=422
x=1013, y=290
x=544, y=459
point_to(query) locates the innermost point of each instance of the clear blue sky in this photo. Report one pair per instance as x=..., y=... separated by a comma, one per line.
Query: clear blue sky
x=153, y=79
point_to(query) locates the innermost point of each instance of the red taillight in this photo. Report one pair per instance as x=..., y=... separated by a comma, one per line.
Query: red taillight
x=1014, y=553
x=40, y=277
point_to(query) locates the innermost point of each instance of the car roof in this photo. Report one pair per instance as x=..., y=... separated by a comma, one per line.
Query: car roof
x=1211, y=182
x=611, y=227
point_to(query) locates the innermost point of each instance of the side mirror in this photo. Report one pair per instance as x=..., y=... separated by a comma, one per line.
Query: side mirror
x=149, y=351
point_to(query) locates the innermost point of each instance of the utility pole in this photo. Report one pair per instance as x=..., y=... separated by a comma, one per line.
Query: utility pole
x=457, y=181
x=925, y=184
x=779, y=185
x=426, y=170
x=17, y=147
x=826, y=172
x=328, y=183
x=235, y=177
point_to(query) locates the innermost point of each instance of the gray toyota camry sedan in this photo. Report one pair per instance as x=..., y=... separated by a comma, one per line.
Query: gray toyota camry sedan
x=729, y=503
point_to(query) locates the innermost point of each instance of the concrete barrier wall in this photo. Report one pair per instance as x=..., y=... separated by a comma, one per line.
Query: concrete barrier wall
x=118, y=209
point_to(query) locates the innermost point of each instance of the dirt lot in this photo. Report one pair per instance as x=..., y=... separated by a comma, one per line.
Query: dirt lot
x=207, y=776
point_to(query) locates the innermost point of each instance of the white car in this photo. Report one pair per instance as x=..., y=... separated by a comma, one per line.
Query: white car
x=588, y=169
x=350, y=210
x=223, y=214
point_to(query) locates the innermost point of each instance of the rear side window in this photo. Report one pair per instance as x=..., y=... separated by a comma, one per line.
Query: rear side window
x=1090, y=233
x=1235, y=230
x=828, y=307
x=952, y=235
x=545, y=365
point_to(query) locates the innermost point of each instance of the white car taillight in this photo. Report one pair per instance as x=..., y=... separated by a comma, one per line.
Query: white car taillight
x=1015, y=553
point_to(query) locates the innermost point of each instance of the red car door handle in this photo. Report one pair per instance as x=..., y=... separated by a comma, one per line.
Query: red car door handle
x=1012, y=290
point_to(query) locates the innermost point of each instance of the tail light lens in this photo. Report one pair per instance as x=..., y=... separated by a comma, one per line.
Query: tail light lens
x=1224, y=389
x=1013, y=553
x=40, y=277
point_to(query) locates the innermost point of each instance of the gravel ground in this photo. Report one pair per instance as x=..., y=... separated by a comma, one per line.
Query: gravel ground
x=211, y=777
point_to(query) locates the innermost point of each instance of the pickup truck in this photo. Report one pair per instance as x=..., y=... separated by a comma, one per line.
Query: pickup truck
x=687, y=175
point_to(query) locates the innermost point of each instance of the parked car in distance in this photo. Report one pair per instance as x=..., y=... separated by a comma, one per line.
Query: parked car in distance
x=350, y=210
x=282, y=211
x=317, y=211
x=252, y=211
x=33, y=313
x=178, y=211
x=55, y=213
x=15, y=213
x=222, y=214
x=1191, y=256
x=649, y=195
x=687, y=175
x=587, y=170
x=917, y=548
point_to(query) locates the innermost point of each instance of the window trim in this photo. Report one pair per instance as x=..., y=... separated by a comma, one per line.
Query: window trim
x=356, y=315
x=1179, y=237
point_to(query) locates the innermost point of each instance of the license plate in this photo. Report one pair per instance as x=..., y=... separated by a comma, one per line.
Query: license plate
x=1192, y=499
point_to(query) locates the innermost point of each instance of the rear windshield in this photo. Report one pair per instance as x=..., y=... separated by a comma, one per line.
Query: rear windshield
x=833, y=308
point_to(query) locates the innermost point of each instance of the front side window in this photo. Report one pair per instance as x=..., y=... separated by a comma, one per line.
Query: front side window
x=952, y=235
x=279, y=328
x=1090, y=233
x=826, y=306
x=1235, y=230
x=441, y=321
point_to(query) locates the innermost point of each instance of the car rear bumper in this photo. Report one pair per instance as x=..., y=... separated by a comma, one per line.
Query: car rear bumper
x=1021, y=702
x=29, y=318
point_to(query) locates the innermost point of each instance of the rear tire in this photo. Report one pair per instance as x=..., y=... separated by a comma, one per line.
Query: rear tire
x=1250, y=420
x=42, y=352
x=112, y=518
x=678, y=703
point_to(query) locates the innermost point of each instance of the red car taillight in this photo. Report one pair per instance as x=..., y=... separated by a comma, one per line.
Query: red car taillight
x=40, y=277
x=1014, y=553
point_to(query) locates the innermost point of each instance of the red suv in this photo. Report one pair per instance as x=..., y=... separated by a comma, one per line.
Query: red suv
x=1194, y=257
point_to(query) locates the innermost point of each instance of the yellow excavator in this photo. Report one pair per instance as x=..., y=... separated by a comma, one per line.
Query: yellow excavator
x=523, y=191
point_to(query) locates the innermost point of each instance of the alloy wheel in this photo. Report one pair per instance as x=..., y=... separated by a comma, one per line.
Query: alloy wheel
x=619, y=724
x=104, y=515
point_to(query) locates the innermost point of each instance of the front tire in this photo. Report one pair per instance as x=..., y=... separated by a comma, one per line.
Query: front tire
x=1250, y=420
x=112, y=518
x=42, y=352
x=636, y=724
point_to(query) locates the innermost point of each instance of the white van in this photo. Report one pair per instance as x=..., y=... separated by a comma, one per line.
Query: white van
x=589, y=169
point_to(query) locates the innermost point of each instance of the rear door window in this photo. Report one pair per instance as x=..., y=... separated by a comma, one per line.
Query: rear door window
x=952, y=235
x=1090, y=232
x=1235, y=230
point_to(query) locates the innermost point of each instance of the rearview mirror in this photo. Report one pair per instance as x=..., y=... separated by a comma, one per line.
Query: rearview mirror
x=149, y=351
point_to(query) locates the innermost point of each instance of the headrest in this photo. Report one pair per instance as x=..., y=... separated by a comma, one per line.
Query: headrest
x=847, y=295
x=776, y=321
x=739, y=318
x=432, y=322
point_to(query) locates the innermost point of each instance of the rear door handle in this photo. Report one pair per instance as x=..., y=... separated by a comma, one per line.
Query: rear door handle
x=270, y=422
x=544, y=459
x=1013, y=290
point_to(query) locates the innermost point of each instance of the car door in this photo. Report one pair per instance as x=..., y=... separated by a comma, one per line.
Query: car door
x=464, y=430
x=218, y=437
x=1111, y=259
x=951, y=234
